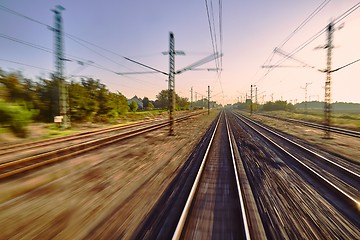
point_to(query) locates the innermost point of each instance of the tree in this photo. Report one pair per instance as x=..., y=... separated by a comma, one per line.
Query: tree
x=162, y=99
x=163, y=102
x=16, y=117
x=150, y=106
x=133, y=106
x=145, y=102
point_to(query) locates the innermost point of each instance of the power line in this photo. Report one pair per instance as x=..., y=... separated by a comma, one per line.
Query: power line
x=322, y=31
x=211, y=32
x=22, y=15
x=72, y=37
x=299, y=48
x=221, y=32
x=26, y=43
x=303, y=23
x=347, y=13
x=24, y=64
x=346, y=65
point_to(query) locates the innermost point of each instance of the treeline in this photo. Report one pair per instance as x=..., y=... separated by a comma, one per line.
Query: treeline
x=285, y=106
x=269, y=106
x=23, y=100
x=88, y=100
x=345, y=107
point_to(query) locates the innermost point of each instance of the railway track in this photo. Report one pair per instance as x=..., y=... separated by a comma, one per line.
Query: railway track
x=208, y=199
x=10, y=149
x=16, y=166
x=339, y=176
x=215, y=206
x=82, y=136
x=337, y=130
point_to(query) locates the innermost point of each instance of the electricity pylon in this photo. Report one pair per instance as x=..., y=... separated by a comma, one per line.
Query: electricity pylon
x=59, y=66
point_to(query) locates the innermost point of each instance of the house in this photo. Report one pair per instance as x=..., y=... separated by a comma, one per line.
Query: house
x=138, y=101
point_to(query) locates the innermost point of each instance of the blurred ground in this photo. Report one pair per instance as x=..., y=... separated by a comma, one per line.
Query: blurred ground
x=80, y=195
x=346, y=146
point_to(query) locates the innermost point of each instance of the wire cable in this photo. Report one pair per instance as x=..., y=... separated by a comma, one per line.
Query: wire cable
x=45, y=49
x=211, y=32
x=346, y=65
x=24, y=64
x=22, y=15
x=312, y=15
x=347, y=13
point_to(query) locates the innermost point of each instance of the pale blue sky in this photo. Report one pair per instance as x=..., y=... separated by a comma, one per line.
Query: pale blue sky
x=139, y=29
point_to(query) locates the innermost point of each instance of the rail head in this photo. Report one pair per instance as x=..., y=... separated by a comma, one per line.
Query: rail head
x=182, y=220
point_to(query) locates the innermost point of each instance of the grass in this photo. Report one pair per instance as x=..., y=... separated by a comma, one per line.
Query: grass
x=348, y=120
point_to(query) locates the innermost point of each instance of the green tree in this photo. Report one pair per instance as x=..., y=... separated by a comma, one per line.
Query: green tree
x=162, y=101
x=146, y=102
x=15, y=117
x=150, y=106
x=133, y=106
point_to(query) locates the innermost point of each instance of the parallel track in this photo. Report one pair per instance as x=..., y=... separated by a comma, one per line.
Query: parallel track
x=337, y=130
x=11, y=168
x=344, y=182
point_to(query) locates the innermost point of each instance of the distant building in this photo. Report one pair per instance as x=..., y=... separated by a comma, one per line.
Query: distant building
x=138, y=101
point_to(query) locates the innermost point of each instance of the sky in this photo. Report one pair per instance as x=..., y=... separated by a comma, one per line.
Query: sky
x=101, y=33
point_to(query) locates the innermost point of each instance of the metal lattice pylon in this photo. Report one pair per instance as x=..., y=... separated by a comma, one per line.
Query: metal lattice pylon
x=171, y=82
x=327, y=105
x=59, y=66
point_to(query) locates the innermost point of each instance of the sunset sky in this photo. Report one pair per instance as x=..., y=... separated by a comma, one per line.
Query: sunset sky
x=139, y=29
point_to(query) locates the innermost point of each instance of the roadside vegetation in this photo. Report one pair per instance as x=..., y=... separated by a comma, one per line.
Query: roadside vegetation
x=345, y=115
x=24, y=101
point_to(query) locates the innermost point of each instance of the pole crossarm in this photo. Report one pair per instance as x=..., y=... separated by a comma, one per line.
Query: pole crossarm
x=130, y=73
x=146, y=66
x=200, y=62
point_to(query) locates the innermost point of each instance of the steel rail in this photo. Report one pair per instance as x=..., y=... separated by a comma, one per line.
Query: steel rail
x=7, y=169
x=14, y=148
x=337, y=130
x=191, y=196
x=184, y=215
x=306, y=149
x=354, y=202
x=241, y=198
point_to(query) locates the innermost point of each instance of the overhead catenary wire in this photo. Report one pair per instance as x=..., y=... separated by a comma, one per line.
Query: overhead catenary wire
x=211, y=32
x=74, y=38
x=314, y=37
x=297, y=29
x=2, y=7
x=25, y=64
x=303, y=23
x=347, y=13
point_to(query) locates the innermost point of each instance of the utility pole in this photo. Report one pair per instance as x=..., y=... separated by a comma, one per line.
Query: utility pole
x=272, y=97
x=251, y=86
x=327, y=106
x=305, y=88
x=59, y=65
x=191, y=103
x=208, y=100
x=256, y=101
x=171, y=82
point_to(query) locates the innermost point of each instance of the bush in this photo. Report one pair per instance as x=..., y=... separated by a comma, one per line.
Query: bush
x=133, y=106
x=15, y=117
